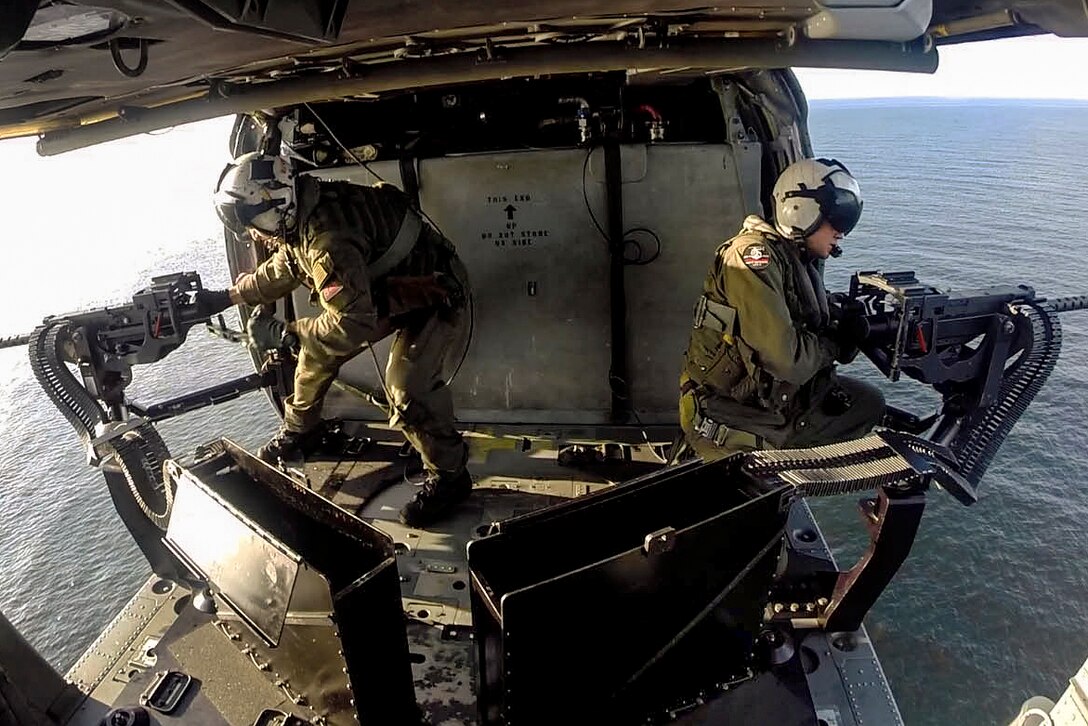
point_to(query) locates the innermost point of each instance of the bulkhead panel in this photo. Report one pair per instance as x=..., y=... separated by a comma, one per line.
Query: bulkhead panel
x=539, y=267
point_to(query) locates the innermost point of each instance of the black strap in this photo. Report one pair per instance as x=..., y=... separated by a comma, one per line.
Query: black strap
x=410, y=179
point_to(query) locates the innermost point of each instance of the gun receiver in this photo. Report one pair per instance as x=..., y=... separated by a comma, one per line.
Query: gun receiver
x=119, y=435
x=941, y=337
x=106, y=342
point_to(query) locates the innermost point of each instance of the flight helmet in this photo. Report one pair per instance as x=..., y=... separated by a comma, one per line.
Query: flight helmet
x=811, y=191
x=257, y=190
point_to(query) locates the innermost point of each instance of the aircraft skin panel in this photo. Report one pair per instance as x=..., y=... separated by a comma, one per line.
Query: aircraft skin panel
x=539, y=272
x=64, y=74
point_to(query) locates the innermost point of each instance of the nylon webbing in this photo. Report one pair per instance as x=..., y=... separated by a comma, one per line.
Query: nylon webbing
x=410, y=227
x=714, y=315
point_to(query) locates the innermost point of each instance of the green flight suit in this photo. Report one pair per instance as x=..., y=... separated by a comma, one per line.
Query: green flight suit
x=758, y=371
x=343, y=231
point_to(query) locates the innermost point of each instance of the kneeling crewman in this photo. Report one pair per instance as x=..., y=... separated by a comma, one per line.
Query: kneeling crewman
x=376, y=269
x=759, y=371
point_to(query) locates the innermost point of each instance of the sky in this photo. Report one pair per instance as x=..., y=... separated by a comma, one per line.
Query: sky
x=1031, y=67
x=143, y=215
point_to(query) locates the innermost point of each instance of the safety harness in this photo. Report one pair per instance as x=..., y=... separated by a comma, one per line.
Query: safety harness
x=407, y=236
x=745, y=376
x=714, y=315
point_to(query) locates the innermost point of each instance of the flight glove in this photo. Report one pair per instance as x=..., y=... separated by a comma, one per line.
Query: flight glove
x=267, y=332
x=846, y=347
x=211, y=302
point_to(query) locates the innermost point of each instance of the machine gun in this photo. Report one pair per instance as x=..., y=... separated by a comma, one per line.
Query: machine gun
x=987, y=352
x=104, y=344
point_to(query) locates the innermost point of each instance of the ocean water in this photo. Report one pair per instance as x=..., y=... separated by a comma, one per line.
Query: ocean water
x=989, y=609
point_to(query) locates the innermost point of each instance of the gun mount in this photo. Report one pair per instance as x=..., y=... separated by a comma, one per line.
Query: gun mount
x=104, y=344
x=987, y=352
x=706, y=562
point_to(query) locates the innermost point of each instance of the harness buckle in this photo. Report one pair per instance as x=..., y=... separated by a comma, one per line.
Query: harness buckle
x=710, y=429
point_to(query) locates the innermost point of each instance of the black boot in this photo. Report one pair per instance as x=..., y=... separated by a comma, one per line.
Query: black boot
x=290, y=445
x=439, y=495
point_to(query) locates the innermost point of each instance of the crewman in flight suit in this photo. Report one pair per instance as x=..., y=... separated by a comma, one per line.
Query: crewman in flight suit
x=375, y=268
x=759, y=371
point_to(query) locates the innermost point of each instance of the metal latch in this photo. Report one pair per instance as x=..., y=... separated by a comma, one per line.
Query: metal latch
x=662, y=540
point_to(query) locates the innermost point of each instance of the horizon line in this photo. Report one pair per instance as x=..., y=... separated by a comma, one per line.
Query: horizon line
x=1025, y=99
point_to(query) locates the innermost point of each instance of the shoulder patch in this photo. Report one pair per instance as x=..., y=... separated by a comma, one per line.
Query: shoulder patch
x=331, y=290
x=321, y=268
x=755, y=256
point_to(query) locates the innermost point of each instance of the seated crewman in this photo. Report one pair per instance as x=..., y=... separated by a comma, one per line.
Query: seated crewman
x=759, y=371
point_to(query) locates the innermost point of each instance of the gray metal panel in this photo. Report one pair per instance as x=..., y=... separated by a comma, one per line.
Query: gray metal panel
x=693, y=197
x=539, y=273
x=249, y=569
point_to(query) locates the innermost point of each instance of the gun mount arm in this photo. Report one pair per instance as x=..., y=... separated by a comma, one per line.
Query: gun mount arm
x=901, y=467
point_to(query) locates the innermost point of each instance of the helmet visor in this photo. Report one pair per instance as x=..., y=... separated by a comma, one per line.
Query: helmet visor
x=238, y=216
x=841, y=208
x=229, y=215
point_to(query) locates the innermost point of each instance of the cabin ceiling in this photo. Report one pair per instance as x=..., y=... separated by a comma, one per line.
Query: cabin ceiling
x=91, y=72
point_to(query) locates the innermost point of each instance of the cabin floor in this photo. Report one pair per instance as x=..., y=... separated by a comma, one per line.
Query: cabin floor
x=832, y=680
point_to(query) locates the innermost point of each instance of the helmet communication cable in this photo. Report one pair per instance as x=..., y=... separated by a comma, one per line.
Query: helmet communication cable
x=640, y=259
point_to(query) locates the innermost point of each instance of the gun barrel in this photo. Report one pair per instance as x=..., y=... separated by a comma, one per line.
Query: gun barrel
x=14, y=340
x=1068, y=304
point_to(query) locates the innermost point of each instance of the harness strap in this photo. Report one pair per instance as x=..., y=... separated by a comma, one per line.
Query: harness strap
x=410, y=227
x=708, y=428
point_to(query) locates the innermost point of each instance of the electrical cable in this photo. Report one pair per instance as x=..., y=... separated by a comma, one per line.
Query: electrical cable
x=341, y=144
x=381, y=377
x=638, y=419
x=639, y=259
x=627, y=261
x=585, y=197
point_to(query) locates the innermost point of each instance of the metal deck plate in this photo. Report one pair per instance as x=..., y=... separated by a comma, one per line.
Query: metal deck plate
x=511, y=477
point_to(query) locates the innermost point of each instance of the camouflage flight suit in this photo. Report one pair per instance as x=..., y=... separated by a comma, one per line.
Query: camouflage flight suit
x=758, y=373
x=343, y=232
